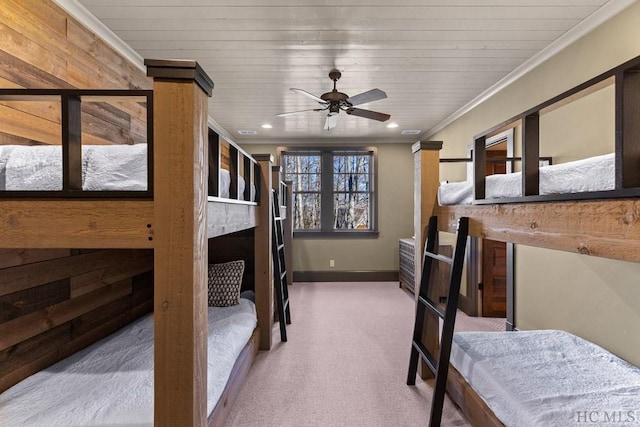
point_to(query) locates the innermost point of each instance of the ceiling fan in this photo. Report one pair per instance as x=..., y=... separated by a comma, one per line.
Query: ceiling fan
x=335, y=101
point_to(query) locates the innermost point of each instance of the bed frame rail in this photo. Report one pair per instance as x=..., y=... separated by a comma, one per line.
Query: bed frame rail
x=71, y=141
x=626, y=78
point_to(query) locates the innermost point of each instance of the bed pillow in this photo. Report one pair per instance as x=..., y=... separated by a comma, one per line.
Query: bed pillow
x=225, y=281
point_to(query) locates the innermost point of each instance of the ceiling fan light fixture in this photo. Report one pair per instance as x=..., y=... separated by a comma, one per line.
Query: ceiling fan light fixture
x=335, y=101
x=266, y=126
x=392, y=125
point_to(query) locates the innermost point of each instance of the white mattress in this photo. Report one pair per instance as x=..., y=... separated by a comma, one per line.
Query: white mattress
x=111, y=382
x=225, y=185
x=592, y=174
x=547, y=378
x=104, y=167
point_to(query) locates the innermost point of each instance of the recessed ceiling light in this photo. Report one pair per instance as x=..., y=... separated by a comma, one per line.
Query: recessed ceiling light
x=266, y=126
x=247, y=132
x=411, y=132
x=392, y=125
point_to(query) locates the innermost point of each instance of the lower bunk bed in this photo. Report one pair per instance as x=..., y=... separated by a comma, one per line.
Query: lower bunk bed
x=540, y=378
x=111, y=381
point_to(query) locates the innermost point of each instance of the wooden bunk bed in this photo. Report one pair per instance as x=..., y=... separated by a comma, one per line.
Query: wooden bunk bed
x=158, y=239
x=603, y=223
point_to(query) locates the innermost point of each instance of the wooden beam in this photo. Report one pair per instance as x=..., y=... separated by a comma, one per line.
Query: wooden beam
x=180, y=291
x=264, y=267
x=76, y=223
x=225, y=216
x=426, y=180
x=603, y=228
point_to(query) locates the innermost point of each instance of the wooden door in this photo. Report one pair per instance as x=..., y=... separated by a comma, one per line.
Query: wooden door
x=494, y=258
x=494, y=279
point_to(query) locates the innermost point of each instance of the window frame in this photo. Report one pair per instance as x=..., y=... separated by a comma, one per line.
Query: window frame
x=327, y=197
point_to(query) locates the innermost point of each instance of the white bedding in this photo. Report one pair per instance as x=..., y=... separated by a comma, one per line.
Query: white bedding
x=111, y=382
x=547, y=378
x=225, y=185
x=592, y=174
x=104, y=167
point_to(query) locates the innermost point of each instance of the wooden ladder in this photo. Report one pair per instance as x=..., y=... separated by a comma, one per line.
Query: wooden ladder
x=279, y=268
x=439, y=366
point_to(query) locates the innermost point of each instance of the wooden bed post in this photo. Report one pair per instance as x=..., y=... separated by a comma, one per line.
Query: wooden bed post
x=264, y=266
x=426, y=179
x=425, y=200
x=180, y=241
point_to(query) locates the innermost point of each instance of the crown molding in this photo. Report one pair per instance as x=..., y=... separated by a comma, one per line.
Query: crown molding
x=590, y=23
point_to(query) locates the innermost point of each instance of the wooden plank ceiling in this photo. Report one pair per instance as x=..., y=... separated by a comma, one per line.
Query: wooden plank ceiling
x=430, y=56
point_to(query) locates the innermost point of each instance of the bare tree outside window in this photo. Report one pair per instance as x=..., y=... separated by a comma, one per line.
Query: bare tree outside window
x=304, y=170
x=333, y=189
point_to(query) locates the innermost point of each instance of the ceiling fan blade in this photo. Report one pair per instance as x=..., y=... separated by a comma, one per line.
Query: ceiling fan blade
x=331, y=122
x=368, y=96
x=381, y=117
x=308, y=95
x=291, y=113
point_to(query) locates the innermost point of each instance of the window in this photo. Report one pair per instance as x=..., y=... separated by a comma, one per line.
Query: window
x=333, y=190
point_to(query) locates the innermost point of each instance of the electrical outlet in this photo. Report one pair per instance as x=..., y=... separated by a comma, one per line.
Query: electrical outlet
x=332, y=263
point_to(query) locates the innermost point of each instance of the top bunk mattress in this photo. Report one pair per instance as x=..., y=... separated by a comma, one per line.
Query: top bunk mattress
x=592, y=174
x=547, y=378
x=104, y=167
x=110, y=383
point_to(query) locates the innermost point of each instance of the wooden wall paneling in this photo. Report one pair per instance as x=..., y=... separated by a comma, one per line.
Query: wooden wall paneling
x=180, y=294
x=120, y=307
x=45, y=13
x=30, y=127
x=21, y=360
x=116, y=72
x=27, y=75
x=14, y=257
x=23, y=277
x=31, y=43
x=23, y=328
x=27, y=301
x=236, y=246
x=224, y=154
x=109, y=275
x=262, y=250
x=47, y=48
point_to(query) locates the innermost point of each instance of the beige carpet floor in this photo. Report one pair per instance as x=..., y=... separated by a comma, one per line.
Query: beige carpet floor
x=345, y=363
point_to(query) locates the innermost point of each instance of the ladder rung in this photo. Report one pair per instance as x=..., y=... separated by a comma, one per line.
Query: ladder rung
x=439, y=257
x=426, y=356
x=431, y=306
x=277, y=218
x=281, y=246
x=282, y=276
